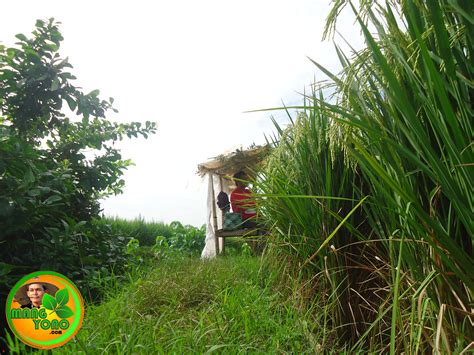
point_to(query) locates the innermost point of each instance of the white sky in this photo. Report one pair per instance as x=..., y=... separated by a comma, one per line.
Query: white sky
x=193, y=67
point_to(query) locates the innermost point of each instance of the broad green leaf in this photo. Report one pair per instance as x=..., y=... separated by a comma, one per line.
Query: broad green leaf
x=29, y=177
x=44, y=189
x=11, y=52
x=34, y=192
x=62, y=297
x=71, y=103
x=55, y=85
x=52, y=199
x=64, y=312
x=21, y=37
x=49, y=302
x=5, y=268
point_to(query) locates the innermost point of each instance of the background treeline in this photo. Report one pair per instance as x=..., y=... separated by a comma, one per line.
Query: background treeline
x=369, y=191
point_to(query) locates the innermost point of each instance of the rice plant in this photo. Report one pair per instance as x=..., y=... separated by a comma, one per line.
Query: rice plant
x=402, y=132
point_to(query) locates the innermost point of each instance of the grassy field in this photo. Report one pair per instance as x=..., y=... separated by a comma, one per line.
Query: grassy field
x=185, y=305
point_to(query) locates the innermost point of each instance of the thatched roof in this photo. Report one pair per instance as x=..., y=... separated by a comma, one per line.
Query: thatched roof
x=240, y=159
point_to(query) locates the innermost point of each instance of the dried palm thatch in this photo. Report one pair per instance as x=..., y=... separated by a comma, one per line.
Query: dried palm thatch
x=240, y=159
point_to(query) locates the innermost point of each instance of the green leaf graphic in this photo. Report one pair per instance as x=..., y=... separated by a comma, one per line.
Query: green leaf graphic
x=49, y=302
x=62, y=297
x=64, y=312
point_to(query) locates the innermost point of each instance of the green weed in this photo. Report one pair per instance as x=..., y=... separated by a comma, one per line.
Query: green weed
x=184, y=305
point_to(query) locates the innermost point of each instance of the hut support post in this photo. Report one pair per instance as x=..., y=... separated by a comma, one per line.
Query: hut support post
x=222, y=214
x=214, y=213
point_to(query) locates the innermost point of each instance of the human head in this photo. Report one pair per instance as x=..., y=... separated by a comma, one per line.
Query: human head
x=239, y=178
x=223, y=201
x=35, y=292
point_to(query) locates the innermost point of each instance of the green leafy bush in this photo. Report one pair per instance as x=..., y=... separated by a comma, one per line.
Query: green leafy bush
x=187, y=239
x=49, y=189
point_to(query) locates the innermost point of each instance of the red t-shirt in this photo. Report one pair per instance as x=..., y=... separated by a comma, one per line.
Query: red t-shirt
x=242, y=202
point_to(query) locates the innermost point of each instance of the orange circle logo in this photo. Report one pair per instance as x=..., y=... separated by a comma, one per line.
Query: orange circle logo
x=45, y=309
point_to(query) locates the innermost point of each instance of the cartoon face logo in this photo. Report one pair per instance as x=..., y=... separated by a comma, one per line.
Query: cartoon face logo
x=45, y=309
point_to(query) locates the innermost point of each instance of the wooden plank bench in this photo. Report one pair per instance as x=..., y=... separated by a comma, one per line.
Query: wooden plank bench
x=244, y=233
x=221, y=233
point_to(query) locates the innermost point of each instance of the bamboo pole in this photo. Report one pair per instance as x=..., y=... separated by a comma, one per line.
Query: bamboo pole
x=214, y=213
x=222, y=214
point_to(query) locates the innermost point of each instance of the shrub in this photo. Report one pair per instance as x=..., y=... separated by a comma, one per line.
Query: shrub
x=49, y=190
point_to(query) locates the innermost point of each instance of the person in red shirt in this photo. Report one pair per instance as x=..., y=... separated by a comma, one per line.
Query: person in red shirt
x=242, y=200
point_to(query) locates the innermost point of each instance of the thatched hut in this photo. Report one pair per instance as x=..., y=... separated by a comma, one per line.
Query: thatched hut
x=219, y=171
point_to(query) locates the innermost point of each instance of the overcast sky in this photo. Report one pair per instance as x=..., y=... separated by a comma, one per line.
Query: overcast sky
x=193, y=67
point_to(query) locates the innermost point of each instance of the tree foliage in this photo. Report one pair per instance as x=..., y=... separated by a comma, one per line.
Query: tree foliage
x=49, y=186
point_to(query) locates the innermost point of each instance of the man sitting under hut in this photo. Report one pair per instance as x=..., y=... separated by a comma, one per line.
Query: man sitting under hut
x=242, y=200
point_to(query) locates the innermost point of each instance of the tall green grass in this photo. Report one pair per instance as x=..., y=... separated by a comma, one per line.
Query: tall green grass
x=145, y=231
x=309, y=189
x=398, y=132
x=186, y=305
